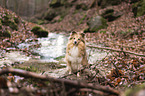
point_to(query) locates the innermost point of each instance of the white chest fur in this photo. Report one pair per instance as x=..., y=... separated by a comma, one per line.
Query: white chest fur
x=74, y=55
x=74, y=51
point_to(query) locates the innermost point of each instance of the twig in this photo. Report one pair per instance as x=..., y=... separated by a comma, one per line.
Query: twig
x=71, y=83
x=116, y=50
x=117, y=71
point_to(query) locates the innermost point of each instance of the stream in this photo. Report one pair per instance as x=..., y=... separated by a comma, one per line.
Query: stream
x=50, y=55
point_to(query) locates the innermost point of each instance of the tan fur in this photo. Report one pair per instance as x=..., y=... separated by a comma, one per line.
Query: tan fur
x=76, y=56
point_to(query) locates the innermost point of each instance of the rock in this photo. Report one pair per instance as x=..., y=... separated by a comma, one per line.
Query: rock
x=139, y=8
x=39, y=31
x=96, y=23
x=110, y=15
x=50, y=15
x=57, y=3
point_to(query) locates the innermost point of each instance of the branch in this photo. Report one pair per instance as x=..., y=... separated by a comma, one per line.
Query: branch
x=116, y=50
x=76, y=84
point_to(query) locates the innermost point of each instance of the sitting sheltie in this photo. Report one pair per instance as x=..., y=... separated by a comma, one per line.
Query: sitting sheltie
x=76, y=56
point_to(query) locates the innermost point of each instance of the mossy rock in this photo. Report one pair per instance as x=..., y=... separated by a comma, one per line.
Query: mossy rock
x=57, y=3
x=96, y=23
x=139, y=8
x=39, y=31
x=5, y=33
x=50, y=15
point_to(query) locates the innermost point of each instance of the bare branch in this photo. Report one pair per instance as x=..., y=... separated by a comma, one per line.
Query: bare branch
x=116, y=50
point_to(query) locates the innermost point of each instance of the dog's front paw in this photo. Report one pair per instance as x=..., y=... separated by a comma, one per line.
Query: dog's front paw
x=78, y=74
x=70, y=72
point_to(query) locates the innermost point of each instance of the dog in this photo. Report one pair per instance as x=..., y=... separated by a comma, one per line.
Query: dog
x=76, y=56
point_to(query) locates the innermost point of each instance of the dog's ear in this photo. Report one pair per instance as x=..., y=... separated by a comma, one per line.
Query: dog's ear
x=82, y=34
x=73, y=33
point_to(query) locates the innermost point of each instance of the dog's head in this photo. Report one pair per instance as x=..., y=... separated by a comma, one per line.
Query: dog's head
x=76, y=38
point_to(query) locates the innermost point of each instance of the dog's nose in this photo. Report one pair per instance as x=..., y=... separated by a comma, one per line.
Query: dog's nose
x=75, y=42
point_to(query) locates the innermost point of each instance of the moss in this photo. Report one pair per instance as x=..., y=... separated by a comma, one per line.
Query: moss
x=104, y=23
x=139, y=8
x=39, y=31
x=5, y=33
x=31, y=68
x=35, y=28
x=59, y=58
x=103, y=32
x=40, y=22
x=60, y=19
x=54, y=1
x=58, y=3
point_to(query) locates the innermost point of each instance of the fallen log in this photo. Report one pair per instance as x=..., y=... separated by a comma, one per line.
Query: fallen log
x=116, y=50
x=76, y=84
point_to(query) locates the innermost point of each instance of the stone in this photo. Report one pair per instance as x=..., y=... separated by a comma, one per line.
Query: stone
x=139, y=8
x=50, y=15
x=96, y=23
x=57, y=3
x=39, y=31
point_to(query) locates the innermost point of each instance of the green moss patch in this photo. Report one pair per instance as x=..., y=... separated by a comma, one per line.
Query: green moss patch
x=39, y=31
x=139, y=8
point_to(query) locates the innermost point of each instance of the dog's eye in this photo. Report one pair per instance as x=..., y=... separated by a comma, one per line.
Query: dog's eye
x=78, y=39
